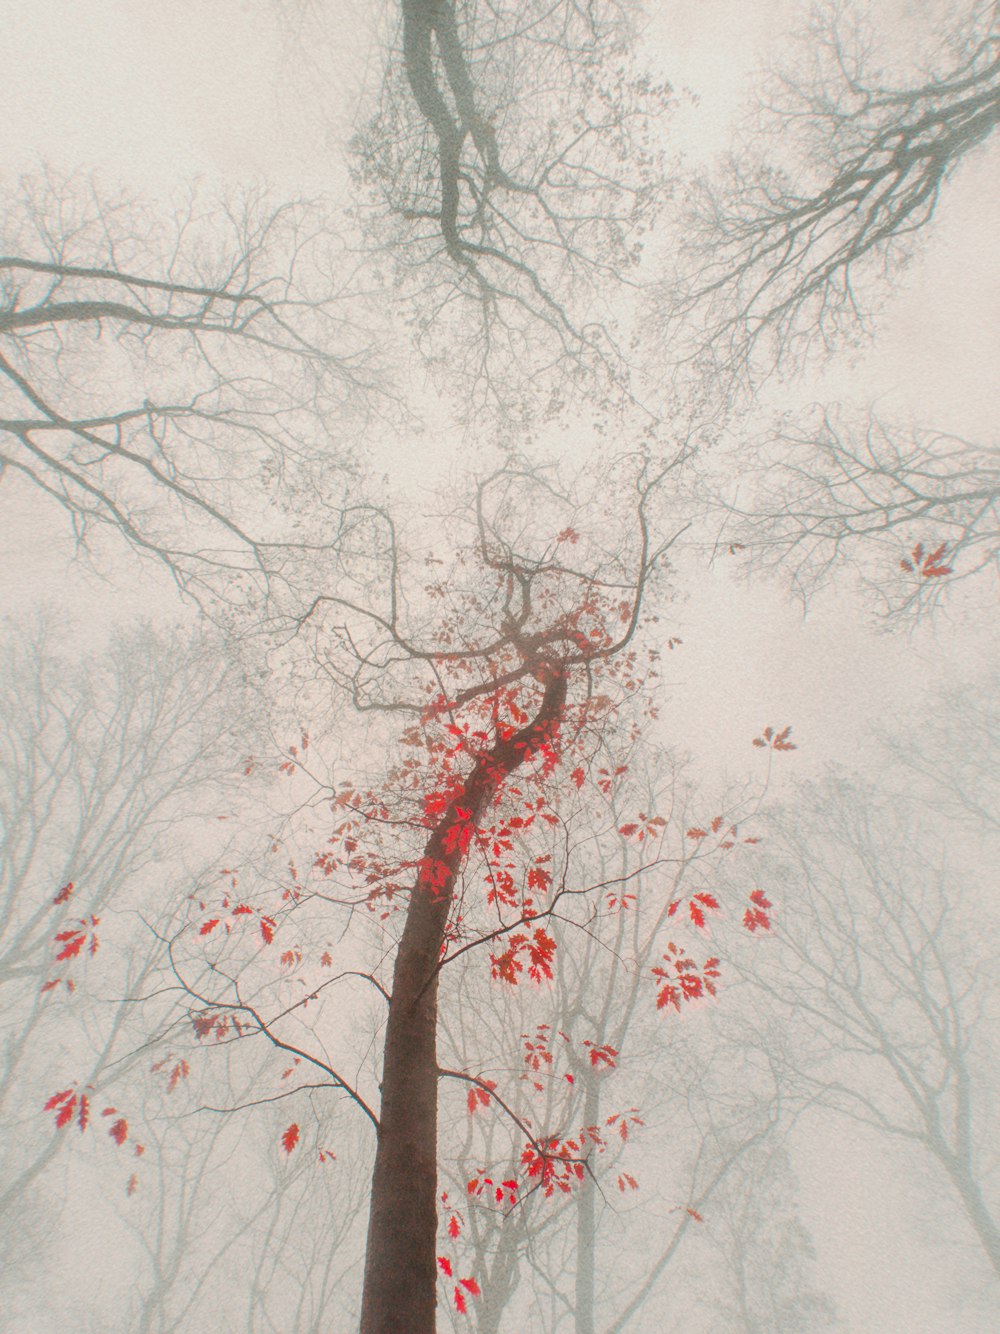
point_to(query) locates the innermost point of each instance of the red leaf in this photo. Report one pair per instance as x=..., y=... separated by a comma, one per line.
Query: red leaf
x=74, y=941
x=64, y=893
x=119, y=1131
x=454, y=1227
x=470, y=1285
x=208, y=927
x=445, y=1265
x=133, y=1182
x=267, y=929
x=460, y=1302
x=756, y=917
x=65, y=1114
x=290, y=1138
x=578, y=777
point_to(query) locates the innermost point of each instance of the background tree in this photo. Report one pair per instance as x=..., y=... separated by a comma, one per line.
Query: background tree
x=914, y=513
x=880, y=973
x=102, y=762
x=514, y=169
x=168, y=376
x=779, y=256
x=762, y=1256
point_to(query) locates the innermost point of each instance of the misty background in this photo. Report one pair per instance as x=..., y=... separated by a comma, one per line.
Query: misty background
x=803, y=1158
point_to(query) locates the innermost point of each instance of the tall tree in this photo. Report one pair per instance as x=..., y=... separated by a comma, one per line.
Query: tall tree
x=514, y=670
x=879, y=969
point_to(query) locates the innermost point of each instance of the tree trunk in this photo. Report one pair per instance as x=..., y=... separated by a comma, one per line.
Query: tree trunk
x=400, y=1281
x=586, y=1223
x=977, y=1210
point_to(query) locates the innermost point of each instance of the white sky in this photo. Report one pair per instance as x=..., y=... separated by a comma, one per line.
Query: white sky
x=153, y=95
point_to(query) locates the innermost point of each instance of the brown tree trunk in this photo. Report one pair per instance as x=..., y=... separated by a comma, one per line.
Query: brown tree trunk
x=400, y=1264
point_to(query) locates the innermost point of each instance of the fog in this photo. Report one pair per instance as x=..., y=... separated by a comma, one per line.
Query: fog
x=499, y=767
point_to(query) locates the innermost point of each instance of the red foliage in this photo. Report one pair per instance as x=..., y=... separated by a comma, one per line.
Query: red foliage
x=74, y=938
x=646, y=827
x=290, y=1138
x=175, y=1073
x=63, y=894
x=775, y=740
x=698, y=905
x=539, y=947
x=927, y=565
x=755, y=916
x=682, y=979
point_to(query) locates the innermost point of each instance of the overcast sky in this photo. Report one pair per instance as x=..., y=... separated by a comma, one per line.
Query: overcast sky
x=152, y=96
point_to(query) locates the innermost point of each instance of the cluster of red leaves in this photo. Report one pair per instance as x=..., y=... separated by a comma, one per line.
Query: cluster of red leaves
x=217, y=1024
x=468, y=1284
x=558, y=1164
x=174, y=1073
x=538, y=1055
x=698, y=905
x=557, y=1167
x=69, y=1105
x=502, y=1191
x=241, y=914
x=74, y=938
x=647, y=826
x=928, y=565
x=715, y=826
x=682, y=979
x=537, y=1047
x=71, y=942
x=288, y=766
x=756, y=917
x=602, y=1055
x=479, y=1096
x=775, y=740
x=539, y=947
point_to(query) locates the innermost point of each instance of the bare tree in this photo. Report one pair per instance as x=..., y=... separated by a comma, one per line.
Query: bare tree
x=880, y=971
x=169, y=375
x=913, y=513
x=761, y=1253
x=777, y=258
x=515, y=171
x=954, y=762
